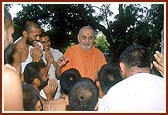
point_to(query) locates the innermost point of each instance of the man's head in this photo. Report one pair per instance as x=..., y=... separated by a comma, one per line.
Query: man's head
x=86, y=37
x=108, y=76
x=35, y=73
x=134, y=56
x=83, y=95
x=45, y=40
x=8, y=28
x=31, y=98
x=31, y=32
x=68, y=78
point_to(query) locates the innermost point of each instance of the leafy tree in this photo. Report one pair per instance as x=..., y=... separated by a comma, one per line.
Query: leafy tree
x=102, y=44
x=133, y=25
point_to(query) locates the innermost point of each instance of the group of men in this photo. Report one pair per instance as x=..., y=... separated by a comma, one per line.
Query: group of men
x=130, y=94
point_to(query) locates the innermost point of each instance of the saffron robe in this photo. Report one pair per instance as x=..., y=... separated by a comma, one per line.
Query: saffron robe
x=87, y=62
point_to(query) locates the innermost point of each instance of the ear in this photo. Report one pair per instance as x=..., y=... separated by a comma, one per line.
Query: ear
x=24, y=34
x=36, y=82
x=78, y=38
x=97, y=83
x=123, y=69
x=122, y=66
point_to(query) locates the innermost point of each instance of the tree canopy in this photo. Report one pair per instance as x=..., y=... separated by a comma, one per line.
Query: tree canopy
x=133, y=24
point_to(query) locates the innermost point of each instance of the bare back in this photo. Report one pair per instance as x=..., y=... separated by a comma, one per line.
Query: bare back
x=57, y=105
x=12, y=86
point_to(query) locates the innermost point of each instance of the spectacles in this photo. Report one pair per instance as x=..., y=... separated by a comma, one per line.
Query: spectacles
x=44, y=42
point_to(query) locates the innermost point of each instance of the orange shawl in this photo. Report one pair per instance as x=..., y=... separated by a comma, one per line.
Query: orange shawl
x=87, y=62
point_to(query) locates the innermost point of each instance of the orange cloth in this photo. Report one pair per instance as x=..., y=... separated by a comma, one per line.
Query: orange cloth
x=87, y=62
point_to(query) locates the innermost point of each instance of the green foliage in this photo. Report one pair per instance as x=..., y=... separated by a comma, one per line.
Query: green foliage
x=102, y=44
x=137, y=25
x=133, y=25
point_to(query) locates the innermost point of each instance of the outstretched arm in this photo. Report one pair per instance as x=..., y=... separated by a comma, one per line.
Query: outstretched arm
x=62, y=61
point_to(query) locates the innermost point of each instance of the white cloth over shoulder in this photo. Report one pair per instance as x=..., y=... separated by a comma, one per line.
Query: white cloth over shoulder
x=142, y=92
x=28, y=59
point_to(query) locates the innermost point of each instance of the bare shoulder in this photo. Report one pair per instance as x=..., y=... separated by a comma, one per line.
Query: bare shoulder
x=18, y=42
x=58, y=105
x=17, y=47
x=12, y=90
x=10, y=74
x=17, y=50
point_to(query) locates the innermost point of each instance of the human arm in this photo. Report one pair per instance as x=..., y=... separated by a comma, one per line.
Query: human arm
x=17, y=64
x=159, y=63
x=62, y=61
x=51, y=89
x=54, y=54
x=49, y=59
x=57, y=69
x=17, y=61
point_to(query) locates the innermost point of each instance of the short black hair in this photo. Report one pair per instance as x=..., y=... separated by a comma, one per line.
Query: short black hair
x=135, y=55
x=44, y=34
x=109, y=75
x=29, y=24
x=32, y=70
x=83, y=95
x=68, y=78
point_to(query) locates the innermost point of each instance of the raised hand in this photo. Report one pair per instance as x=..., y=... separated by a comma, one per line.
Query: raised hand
x=159, y=63
x=51, y=89
x=62, y=61
x=49, y=57
x=36, y=52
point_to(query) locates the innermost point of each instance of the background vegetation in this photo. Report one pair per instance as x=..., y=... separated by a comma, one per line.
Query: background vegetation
x=133, y=24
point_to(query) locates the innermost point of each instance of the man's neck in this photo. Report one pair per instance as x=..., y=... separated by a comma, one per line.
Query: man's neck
x=23, y=42
x=135, y=70
x=101, y=94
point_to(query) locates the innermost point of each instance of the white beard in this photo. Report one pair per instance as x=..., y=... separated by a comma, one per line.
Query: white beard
x=86, y=46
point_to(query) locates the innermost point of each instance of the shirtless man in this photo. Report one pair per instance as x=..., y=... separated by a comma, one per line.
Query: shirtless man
x=12, y=87
x=24, y=52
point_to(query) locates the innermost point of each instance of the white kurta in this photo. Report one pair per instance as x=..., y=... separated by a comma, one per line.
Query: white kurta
x=140, y=92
